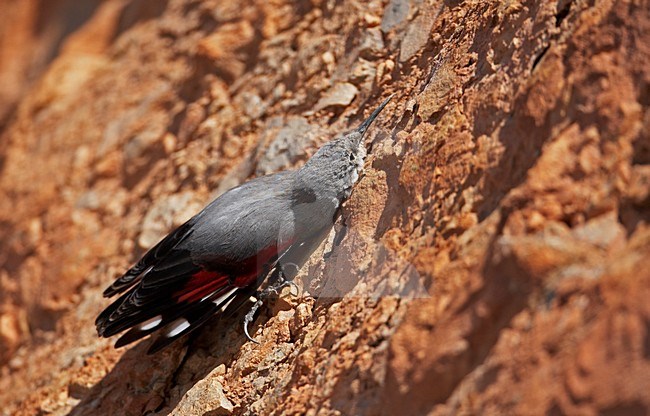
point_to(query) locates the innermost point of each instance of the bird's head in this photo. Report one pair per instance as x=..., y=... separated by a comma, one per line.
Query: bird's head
x=338, y=163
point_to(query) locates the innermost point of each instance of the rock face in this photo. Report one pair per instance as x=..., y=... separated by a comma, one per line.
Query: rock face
x=496, y=258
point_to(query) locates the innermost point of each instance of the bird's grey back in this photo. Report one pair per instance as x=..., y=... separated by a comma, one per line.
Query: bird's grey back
x=279, y=209
x=263, y=212
x=242, y=221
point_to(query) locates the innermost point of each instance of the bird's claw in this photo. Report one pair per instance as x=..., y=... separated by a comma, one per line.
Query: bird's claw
x=284, y=281
x=248, y=319
x=275, y=288
x=281, y=285
x=292, y=284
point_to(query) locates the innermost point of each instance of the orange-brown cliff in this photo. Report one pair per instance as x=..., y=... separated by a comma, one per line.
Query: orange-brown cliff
x=508, y=183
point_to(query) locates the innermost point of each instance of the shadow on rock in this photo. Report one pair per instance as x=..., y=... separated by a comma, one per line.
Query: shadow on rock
x=142, y=384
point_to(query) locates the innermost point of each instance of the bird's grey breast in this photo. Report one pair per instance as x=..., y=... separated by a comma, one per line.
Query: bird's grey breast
x=312, y=212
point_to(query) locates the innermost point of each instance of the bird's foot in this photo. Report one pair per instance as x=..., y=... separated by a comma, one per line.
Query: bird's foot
x=282, y=281
x=274, y=288
x=250, y=316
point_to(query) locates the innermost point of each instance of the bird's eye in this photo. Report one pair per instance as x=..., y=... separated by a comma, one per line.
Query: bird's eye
x=352, y=158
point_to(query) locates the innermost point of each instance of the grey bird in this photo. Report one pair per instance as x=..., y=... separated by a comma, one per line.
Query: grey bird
x=215, y=261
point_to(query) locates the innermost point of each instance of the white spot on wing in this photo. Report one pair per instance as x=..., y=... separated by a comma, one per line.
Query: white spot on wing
x=225, y=305
x=218, y=301
x=177, y=327
x=151, y=323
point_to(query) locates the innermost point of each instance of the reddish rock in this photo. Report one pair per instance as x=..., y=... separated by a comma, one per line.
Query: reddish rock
x=495, y=260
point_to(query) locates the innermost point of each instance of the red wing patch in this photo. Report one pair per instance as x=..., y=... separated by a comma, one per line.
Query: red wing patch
x=201, y=284
x=205, y=282
x=264, y=258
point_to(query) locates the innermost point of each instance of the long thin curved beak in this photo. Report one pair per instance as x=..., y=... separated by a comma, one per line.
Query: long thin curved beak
x=364, y=126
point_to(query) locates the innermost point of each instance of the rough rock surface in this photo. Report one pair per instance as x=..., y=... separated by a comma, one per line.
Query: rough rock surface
x=496, y=260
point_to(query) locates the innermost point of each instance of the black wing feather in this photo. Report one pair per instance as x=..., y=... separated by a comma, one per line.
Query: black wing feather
x=199, y=314
x=151, y=297
x=151, y=258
